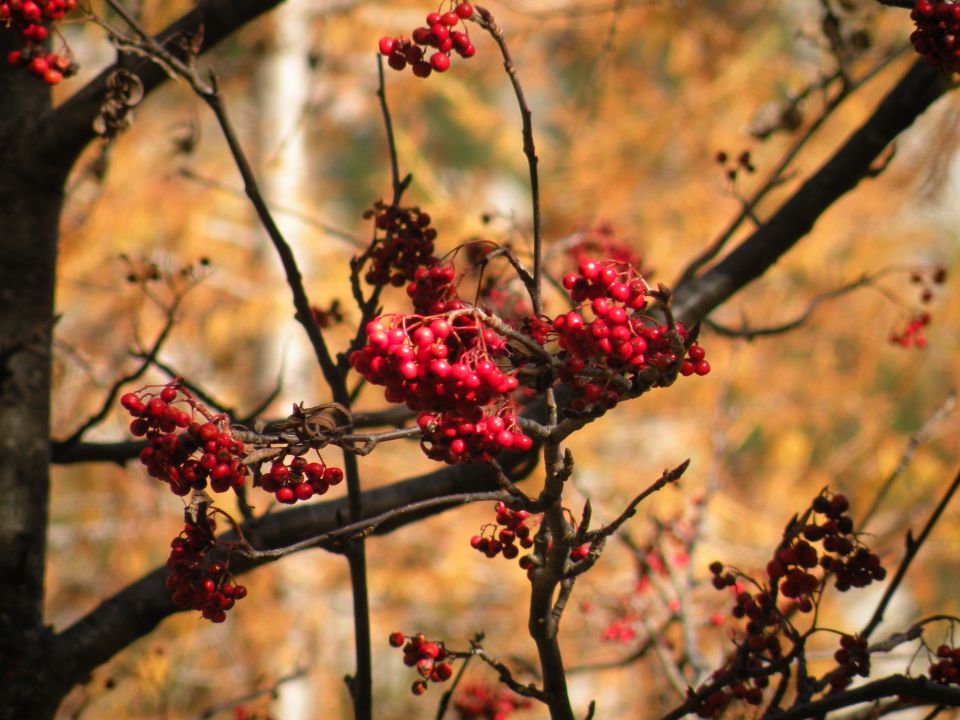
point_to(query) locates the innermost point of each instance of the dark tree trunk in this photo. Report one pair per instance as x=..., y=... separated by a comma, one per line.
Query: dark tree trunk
x=31, y=196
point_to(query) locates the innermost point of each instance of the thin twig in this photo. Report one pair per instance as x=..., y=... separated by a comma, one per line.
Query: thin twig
x=367, y=526
x=303, y=217
x=487, y=22
x=913, y=547
x=148, y=358
x=506, y=677
x=668, y=476
x=399, y=185
x=445, y=698
x=254, y=694
x=774, y=178
x=916, y=440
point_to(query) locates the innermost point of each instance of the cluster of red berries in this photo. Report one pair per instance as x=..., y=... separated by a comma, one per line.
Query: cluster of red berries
x=947, y=668
x=197, y=582
x=937, y=33
x=853, y=660
x=511, y=530
x=475, y=436
x=180, y=451
x=434, y=364
x=299, y=480
x=619, y=338
x=622, y=628
x=406, y=245
x=444, y=369
x=791, y=568
x=433, y=291
x=853, y=565
x=791, y=572
x=912, y=334
x=31, y=21
x=429, y=658
x=438, y=34
x=478, y=702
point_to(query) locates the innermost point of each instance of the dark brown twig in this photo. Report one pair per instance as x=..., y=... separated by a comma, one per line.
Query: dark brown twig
x=912, y=548
x=487, y=22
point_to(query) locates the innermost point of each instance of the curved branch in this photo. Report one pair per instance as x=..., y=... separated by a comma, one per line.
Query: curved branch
x=919, y=88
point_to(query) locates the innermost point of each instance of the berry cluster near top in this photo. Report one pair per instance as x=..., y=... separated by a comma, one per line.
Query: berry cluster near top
x=438, y=34
x=34, y=22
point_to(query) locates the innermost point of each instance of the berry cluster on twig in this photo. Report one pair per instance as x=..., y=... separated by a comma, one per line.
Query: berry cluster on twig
x=443, y=367
x=617, y=339
x=33, y=22
x=429, y=658
x=853, y=660
x=798, y=572
x=299, y=479
x=511, y=530
x=438, y=34
x=405, y=246
x=182, y=452
x=946, y=669
x=195, y=580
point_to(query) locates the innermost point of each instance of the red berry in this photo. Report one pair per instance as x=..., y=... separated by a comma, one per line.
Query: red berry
x=440, y=62
x=387, y=45
x=422, y=69
x=397, y=639
x=464, y=10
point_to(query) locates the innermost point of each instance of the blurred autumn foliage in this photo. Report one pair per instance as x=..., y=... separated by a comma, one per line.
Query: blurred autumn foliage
x=632, y=103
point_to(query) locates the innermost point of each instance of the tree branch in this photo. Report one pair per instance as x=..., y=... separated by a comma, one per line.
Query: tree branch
x=138, y=608
x=66, y=131
x=919, y=88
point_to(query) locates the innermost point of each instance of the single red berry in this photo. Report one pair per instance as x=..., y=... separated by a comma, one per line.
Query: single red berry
x=397, y=639
x=387, y=45
x=464, y=10
x=440, y=62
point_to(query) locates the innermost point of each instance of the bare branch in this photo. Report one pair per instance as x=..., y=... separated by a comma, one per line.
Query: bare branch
x=487, y=22
x=912, y=548
x=920, y=87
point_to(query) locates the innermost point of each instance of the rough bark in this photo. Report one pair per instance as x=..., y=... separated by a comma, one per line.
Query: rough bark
x=31, y=194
